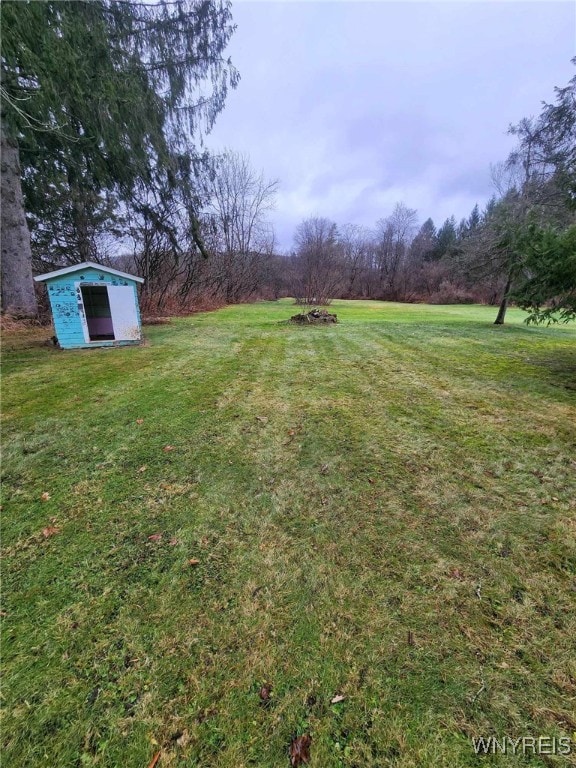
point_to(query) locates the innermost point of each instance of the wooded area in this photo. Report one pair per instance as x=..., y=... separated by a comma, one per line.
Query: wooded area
x=104, y=106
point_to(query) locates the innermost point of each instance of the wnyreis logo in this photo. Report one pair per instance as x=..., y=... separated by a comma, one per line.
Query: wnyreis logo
x=525, y=745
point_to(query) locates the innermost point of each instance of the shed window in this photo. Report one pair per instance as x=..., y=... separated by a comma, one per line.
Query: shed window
x=98, y=314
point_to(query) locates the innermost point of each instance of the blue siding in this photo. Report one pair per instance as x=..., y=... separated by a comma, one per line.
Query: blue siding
x=66, y=309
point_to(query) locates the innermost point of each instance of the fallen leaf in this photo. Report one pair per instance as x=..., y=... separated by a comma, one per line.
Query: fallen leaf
x=337, y=699
x=324, y=469
x=291, y=432
x=456, y=573
x=50, y=530
x=45, y=496
x=193, y=561
x=154, y=760
x=263, y=419
x=139, y=421
x=168, y=448
x=555, y=498
x=264, y=693
x=300, y=750
x=155, y=537
x=143, y=468
x=371, y=480
x=174, y=542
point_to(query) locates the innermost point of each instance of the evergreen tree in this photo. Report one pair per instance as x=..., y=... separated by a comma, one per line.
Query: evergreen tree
x=546, y=149
x=462, y=229
x=446, y=239
x=422, y=247
x=549, y=290
x=474, y=219
x=98, y=99
x=535, y=225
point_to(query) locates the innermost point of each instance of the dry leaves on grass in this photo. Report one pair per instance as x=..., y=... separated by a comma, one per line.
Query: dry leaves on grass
x=168, y=448
x=193, y=562
x=300, y=750
x=155, y=537
x=50, y=530
x=45, y=496
x=337, y=699
x=139, y=421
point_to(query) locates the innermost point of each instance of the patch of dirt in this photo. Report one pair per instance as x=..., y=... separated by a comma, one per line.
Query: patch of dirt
x=156, y=321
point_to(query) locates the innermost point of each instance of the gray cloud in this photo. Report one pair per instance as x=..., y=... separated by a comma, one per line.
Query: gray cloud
x=356, y=105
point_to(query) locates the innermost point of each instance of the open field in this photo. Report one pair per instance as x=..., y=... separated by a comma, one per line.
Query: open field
x=382, y=509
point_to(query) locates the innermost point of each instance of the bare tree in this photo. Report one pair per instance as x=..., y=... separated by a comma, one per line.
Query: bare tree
x=239, y=234
x=394, y=235
x=358, y=253
x=318, y=262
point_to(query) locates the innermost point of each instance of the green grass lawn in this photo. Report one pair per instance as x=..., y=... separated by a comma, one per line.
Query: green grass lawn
x=383, y=510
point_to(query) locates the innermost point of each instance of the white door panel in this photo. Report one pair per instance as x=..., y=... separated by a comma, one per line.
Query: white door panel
x=124, y=313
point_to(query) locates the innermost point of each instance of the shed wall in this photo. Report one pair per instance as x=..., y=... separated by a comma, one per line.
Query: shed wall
x=66, y=307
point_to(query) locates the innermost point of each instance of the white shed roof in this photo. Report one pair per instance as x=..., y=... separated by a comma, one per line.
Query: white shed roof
x=86, y=265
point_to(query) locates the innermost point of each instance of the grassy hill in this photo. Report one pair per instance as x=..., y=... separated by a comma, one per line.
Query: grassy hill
x=381, y=510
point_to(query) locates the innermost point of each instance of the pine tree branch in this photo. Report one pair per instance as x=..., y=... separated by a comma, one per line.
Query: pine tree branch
x=31, y=121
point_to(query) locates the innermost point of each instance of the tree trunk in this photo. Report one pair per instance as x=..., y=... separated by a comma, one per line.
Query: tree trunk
x=504, y=303
x=17, y=295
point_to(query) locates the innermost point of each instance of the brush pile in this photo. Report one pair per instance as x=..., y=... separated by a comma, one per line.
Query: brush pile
x=314, y=316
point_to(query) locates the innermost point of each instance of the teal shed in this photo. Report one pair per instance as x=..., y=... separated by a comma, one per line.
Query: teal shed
x=93, y=306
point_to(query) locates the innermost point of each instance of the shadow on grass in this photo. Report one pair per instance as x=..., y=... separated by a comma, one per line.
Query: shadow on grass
x=561, y=369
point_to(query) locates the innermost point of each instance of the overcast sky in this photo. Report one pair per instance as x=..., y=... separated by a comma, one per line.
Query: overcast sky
x=354, y=105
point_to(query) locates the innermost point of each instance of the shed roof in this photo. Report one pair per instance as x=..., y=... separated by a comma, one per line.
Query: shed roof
x=86, y=265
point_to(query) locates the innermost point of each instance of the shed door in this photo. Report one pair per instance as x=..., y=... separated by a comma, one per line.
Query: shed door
x=124, y=313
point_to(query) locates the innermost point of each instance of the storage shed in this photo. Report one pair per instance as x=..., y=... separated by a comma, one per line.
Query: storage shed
x=93, y=306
